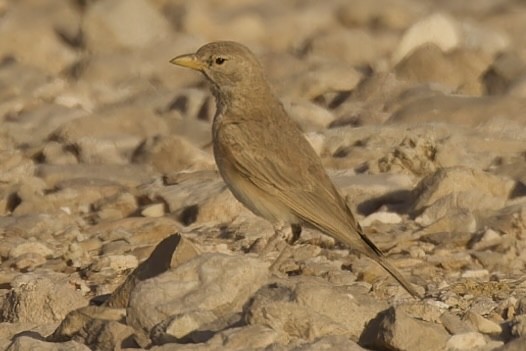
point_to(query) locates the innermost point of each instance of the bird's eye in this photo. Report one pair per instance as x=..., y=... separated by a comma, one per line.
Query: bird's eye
x=220, y=60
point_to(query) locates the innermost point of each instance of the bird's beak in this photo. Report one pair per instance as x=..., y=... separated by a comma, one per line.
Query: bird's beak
x=188, y=61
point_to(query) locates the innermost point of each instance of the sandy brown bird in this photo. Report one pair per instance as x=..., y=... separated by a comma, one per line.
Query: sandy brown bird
x=264, y=157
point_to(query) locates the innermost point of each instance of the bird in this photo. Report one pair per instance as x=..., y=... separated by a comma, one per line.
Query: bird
x=265, y=159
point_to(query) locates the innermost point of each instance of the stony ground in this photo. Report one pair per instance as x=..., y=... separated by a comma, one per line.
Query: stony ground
x=116, y=231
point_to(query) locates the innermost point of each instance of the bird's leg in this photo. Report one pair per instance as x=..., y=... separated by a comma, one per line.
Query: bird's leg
x=276, y=241
x=283, y=235
x=296, y=232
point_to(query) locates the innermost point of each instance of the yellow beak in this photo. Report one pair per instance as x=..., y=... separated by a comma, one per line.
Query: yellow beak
x=188, y=61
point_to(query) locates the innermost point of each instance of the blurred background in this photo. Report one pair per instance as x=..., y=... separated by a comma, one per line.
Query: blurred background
x=417, y=108
x=62, y=60
x=89, y=82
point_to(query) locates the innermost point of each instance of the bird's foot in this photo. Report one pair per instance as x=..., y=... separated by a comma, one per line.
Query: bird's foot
x=282, y=235
x=280, y=242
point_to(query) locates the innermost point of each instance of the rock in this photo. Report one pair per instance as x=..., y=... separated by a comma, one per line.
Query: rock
x=310, y=309
x=154, y=210
x=135, y=231
x=488, y=39
x=76, y=322
x=472, y=112
x=371, y=192
x=483, y=325
x=472, y=189
x=514, y=345
x=28, y=87
x=489, y=238
x=28, y=262
x=36, y=225
x=341, y=43
x=318, y=79
x=373, y=100
x=127, y=175
x=116, y=129
x=116, y=263
x=208, y=22
x=172, y=154
x=222, y=208
x=476, y=274
x=439, y=29
x=309, y=116
x=107, y=335
x=171, y=252
x=30, y=247
x=120, y=205
x=518, y=88
x=10, y=331
x=395, y=15
x=503, y=72
x=234, y=339
x=521, y=306
x=451, y=262
x=70, y=196
x=23, y=343
x=458, y=70
x=443, y=219
x=200, y=197
x=55, y=153
x=211, y=282
x=22, y=21
x=455, y=325
x=38, y=118
x=447, y=33
x=511, y=167
x=518, y=326
x=309, y=20
x=193, y=104
x=193, y=326
x=466, y=341
x=394, y=329
x=100, y=328
x=336, y=342
x=14, y=166
x=414, y=155
x=77, y=256
x=40, y=298
x=383, y=217
x=123, y=25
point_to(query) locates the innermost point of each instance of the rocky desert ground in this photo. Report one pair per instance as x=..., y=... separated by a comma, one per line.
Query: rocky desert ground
x=117, y=233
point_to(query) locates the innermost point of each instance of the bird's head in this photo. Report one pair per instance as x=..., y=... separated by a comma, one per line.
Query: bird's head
x=229, y=66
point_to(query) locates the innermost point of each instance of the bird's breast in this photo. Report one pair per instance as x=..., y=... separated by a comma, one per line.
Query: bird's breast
x=228, y=142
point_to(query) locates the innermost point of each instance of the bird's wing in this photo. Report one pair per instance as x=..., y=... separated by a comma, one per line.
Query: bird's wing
x=283, y=163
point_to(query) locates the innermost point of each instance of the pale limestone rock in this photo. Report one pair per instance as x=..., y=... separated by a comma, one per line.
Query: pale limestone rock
x=153, y=210
x=23, y=343
x=211, y=282
x=40, y=298
x=394, y=329
x=439, y=28
x=466, y=341
x=171, y=154
x=483, y=325
x=310, y=308
x=129, y=24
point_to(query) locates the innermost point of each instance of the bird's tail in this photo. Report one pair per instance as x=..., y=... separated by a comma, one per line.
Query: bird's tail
x=377, y=255
x=398, y=276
